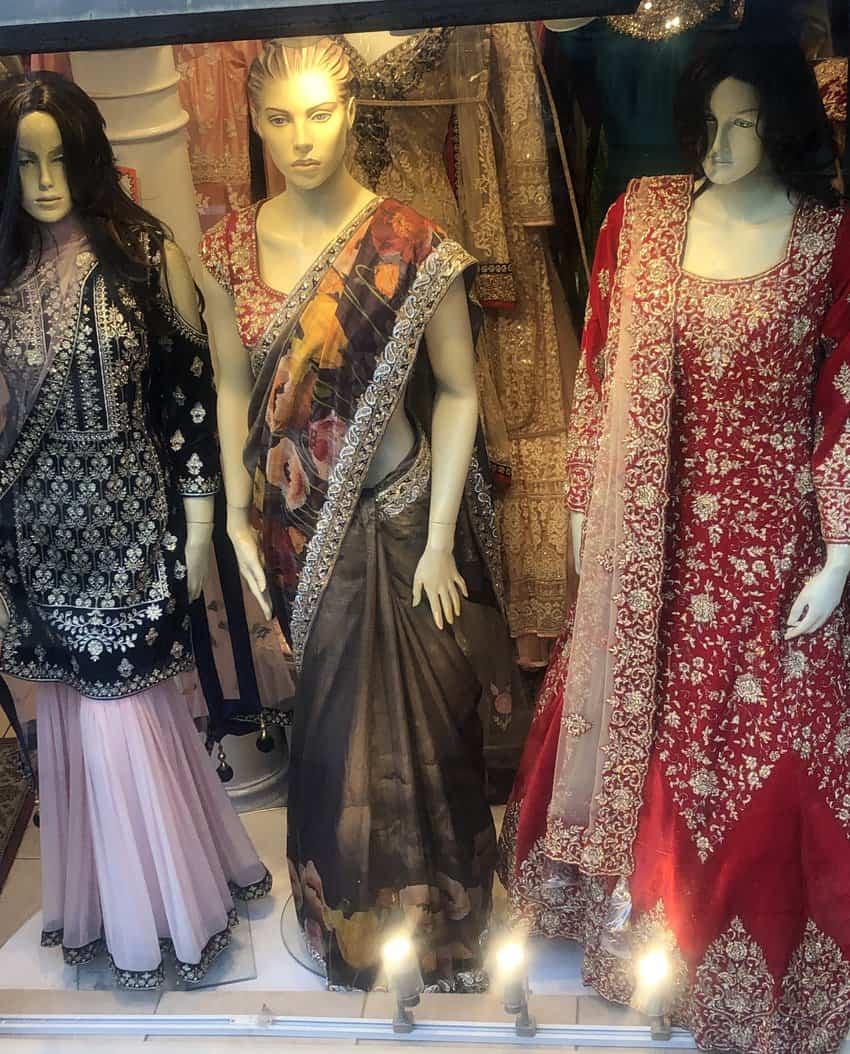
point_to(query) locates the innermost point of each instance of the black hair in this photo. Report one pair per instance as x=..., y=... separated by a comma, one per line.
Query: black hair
x=127, y=241
x=792, y=123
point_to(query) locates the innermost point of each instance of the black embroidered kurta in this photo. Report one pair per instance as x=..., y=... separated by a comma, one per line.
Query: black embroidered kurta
x=92, y=526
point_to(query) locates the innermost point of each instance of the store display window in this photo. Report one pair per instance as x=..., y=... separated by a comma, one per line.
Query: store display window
x=425, y=523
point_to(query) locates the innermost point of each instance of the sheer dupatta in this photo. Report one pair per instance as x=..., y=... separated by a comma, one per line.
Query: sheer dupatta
x=609, y=693
x=336, y=361
x=39, y=318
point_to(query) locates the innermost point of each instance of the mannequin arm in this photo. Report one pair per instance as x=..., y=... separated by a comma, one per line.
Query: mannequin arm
x=453, y=428
x=235, y=382
x=821, y=595
x=179, y=288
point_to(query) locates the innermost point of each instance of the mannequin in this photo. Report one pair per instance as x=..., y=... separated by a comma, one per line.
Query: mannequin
x=105, y=541
x=699, y=690
x=745, y=204
x=351, y=502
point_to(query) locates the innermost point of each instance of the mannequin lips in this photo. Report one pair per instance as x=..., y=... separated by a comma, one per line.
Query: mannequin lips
x=311, y=163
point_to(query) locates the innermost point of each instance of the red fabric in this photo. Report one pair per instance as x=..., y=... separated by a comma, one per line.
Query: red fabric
x=746, y=806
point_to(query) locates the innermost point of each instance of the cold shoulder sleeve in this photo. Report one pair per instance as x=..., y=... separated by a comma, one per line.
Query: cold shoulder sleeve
x=184, y=404
x=831, y=457
x=215, y=252
x=585, y=419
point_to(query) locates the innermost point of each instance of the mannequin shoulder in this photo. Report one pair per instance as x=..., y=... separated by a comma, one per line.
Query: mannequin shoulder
x=179, y=285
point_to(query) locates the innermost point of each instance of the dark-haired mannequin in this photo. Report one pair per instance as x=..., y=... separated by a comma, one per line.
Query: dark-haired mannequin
x=108, y=467
x=683, y=790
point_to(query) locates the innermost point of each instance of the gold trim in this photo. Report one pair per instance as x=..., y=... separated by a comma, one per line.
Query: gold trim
x=374, y=410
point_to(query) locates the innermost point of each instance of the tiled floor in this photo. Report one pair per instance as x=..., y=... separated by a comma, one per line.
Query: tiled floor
x=34, y=980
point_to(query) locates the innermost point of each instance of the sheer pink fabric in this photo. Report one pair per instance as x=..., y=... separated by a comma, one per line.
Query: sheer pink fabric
x=137, y=833
x=610, y=685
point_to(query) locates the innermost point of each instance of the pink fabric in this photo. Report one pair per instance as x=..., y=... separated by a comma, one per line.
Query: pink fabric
x=136, y=828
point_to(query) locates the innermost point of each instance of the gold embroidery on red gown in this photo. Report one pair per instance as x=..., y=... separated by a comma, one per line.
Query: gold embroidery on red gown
x=742, y=851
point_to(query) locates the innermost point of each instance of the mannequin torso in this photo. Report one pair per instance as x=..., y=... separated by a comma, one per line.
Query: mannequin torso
x=740, y=226
x=305, y=123
x=291, y=233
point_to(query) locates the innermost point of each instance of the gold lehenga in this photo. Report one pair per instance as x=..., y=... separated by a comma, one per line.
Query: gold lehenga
x=475, y=88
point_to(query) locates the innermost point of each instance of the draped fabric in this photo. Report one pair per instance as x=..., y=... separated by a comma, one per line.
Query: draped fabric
x=387, y=819
x=685, y=778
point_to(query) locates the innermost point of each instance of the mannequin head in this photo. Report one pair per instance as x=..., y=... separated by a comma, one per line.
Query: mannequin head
x=303, y=107
x=734, y=147
x=55, y=159
x=751, y=107
x=45, y=194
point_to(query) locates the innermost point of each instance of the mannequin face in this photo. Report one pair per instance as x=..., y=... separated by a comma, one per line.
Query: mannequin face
x=735, y=149
x=304, y=126
x=45, y=193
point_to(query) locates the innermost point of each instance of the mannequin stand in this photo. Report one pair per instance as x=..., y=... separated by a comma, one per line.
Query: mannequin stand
x=293, y=940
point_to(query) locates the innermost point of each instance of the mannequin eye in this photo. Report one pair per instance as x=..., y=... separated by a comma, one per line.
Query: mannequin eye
x=278, y=120
x=322, y=116
x=24, y=161
x=742, y=122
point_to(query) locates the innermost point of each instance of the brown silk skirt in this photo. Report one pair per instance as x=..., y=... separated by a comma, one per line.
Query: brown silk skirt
x=388, y=824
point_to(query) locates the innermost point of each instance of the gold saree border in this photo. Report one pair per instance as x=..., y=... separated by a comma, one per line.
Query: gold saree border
x=374, y=410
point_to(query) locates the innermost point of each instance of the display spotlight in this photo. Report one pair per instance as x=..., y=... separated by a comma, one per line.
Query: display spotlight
x=404, y=978
x=654, y=989
x=512, y=974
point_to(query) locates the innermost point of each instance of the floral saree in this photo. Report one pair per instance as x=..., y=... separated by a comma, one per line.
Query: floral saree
x=388, y=823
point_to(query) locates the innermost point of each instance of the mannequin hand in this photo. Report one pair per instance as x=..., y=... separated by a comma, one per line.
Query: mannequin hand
x=5, y=617
x=243, y=538
x=577, y=531
x=821, y=595
x=438, y=575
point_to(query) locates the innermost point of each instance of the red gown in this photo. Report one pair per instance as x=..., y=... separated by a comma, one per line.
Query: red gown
x=741, y=856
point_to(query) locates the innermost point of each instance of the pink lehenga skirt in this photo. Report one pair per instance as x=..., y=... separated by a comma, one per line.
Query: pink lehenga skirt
x=142, y=852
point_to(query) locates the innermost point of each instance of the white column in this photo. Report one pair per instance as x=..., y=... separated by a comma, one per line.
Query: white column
x=136, y=91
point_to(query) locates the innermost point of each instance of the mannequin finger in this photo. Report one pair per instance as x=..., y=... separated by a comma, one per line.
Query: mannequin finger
x=454, y=593
x=436, y=610
x=461, y=584
x=804, y=626
x=417, y=591
x=447, y=604
x=798, y=609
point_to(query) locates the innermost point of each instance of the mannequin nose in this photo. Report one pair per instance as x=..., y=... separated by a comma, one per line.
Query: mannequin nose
x=720, y=147
x=45, y=180
x=302, y=139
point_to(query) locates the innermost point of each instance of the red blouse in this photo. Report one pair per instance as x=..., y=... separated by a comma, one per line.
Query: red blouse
x=229, y=252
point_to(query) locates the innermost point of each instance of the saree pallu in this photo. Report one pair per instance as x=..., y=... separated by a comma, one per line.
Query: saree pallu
x=388, y=823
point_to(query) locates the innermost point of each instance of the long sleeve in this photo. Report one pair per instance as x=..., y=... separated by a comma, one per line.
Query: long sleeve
x=516, y=89
x=184, y=405
x=831, y=457
x=586, y=416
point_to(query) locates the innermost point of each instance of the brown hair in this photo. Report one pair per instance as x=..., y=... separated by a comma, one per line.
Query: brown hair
x=281, y=59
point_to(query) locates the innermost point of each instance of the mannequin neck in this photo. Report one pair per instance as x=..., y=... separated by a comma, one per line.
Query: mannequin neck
x=327, y=208
x=65, y=232
x=753, y=199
